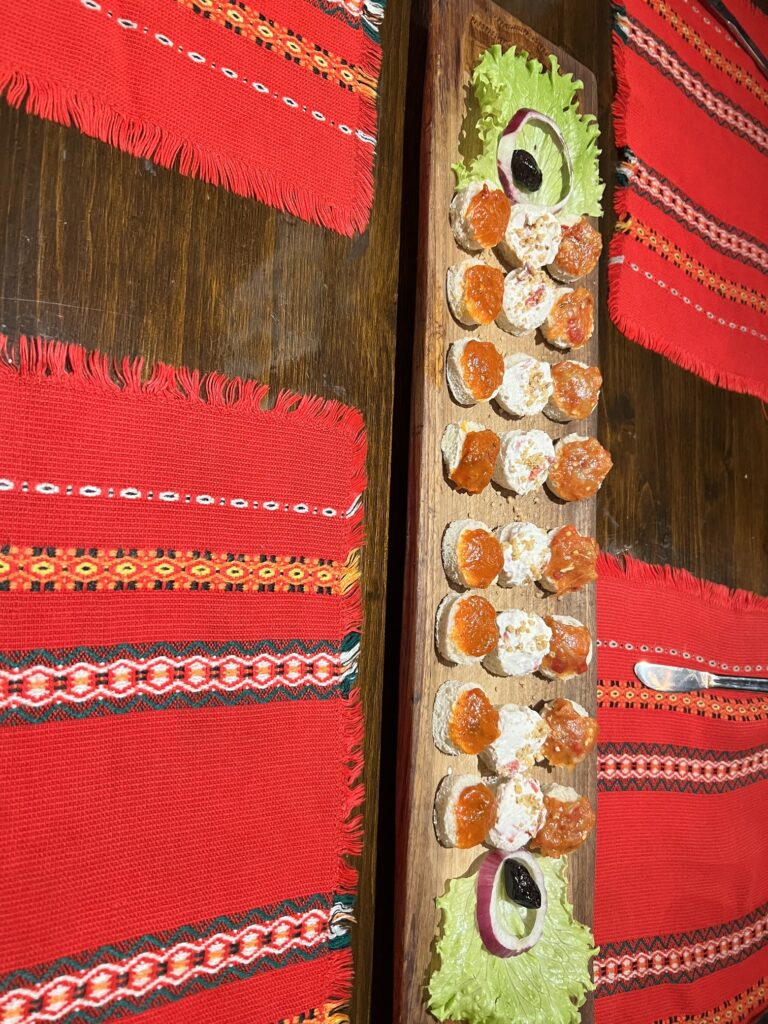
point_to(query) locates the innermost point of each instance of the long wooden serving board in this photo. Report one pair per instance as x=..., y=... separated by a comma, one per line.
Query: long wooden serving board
x=460, y=31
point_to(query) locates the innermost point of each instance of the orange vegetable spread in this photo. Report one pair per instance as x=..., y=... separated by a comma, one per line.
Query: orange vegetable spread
x=483, y=292
x=568, y=649
x=576, y=388
x=478, y=457
x=474, y=626
x=474, y=814
x=572, y=561
x=480, y=557
x=580, y=249
x=572, y=319
x=580, y=467
x=571, y=736
x=566, y=828
x=488, y=213
x=483, y=368
x=474, y=723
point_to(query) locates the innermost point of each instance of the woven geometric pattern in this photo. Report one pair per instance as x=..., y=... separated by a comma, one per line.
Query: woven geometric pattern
x=274, y=99
x=688, y=261
x=681, y=892
x=685, y=956
x=663, y=766
x=739, y=1009
x=36, y=686
x=180, y=734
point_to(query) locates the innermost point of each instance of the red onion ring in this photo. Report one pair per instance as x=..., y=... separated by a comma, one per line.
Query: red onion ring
x=496, y=939
x=507, y=147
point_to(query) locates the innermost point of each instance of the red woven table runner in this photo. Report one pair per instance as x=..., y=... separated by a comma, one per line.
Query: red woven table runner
x=180, y=738
x=689, y=260
x=681, y=911
x=274, y=99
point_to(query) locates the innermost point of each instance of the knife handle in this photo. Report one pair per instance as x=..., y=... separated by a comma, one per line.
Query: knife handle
x=739, y=683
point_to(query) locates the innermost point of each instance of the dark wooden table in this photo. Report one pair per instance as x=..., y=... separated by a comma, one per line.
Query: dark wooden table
x=115, y=253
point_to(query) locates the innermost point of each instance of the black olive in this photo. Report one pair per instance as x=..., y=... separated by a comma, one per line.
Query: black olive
x=525, y=170
x=519, y=885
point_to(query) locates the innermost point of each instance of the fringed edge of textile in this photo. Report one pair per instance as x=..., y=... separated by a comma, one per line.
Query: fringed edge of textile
x=340, y=981
x=328, y=1013
x=621, y=97
x=340, y=977
x=628, y=327
x=352, y=731
x=370, y=62
x=40, y=358
x=51, y=101
x=625, y=567
x=350, y=846
x=662, y=346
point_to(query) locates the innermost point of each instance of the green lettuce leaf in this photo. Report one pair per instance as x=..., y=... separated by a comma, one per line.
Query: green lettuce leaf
x=504, y=82
x=546, y=985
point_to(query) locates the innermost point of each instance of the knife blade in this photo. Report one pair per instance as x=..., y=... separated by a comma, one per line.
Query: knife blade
x=739, y=33
x=676, y=679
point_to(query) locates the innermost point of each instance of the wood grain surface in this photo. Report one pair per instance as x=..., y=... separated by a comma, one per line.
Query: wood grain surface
x=116, y=253
x=461, y=31
x=100, y=248
x=689, y=482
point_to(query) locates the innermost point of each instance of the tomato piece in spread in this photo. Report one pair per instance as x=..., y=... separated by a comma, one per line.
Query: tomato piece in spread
x=580, y=468
x=534, y=296
x=478, y=458
x=569, y=648
x=474, y=815
x=482, y=366
x=474, y=629
x=572, y=736
x=474, y=722
x=576, y=388
x=480, y=558
x=572, y=561
x=488, y=215
x=580, y=248
x=567, y=826
x=571, y=320
x=483, y=292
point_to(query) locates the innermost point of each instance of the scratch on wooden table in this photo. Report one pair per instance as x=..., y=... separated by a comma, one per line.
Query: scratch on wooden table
x=66, y=305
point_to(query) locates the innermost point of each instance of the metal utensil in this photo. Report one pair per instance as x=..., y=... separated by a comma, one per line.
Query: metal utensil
x=674, y=679
x=739, y=33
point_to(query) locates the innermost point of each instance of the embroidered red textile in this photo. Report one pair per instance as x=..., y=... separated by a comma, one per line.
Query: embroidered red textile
x=274, y=99
x=688, y=262
x=180, y=736
x=681, y=894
